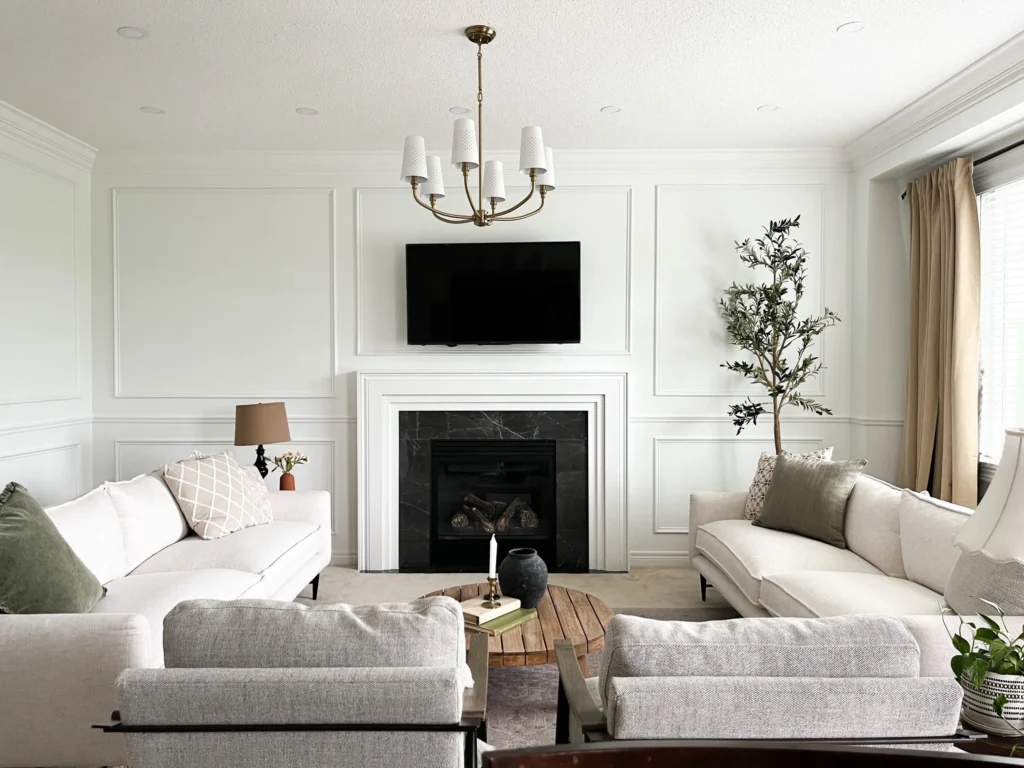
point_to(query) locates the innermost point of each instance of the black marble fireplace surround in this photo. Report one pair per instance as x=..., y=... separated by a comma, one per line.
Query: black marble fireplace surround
x=567, y=549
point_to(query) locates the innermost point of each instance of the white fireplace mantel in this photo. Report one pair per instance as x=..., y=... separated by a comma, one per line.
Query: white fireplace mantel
x=382, y=395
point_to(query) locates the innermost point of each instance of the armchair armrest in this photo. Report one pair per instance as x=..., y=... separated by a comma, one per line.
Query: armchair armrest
x=303, y=506
x=474, y=700
x=573, y=696
x=710, y=507
x=57, y=674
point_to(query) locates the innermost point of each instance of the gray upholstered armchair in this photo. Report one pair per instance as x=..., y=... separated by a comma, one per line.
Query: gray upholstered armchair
x=850, y=679
x=258, y=683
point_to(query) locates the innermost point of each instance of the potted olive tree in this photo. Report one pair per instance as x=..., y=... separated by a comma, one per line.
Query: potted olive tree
x=762, y=319
x=990, y=666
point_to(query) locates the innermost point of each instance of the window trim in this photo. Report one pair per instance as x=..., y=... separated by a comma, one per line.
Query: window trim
x=999, y=171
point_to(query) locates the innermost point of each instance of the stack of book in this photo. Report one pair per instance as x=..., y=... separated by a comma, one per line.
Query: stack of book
x=493, y=621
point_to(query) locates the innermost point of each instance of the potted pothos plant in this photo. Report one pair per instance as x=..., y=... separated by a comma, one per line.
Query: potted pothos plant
x=989, y=663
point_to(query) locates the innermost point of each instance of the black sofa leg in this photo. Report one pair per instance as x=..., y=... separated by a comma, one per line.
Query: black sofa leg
x=703, y=589
x=316, y=584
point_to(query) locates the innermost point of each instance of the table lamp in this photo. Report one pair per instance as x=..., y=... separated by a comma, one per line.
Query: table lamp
x=991, y=542
x=260, y=424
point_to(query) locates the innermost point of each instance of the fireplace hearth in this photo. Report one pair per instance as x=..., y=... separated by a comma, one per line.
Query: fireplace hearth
x=519, y=475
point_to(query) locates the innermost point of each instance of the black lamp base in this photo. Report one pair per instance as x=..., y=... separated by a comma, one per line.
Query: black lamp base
x=261, y=463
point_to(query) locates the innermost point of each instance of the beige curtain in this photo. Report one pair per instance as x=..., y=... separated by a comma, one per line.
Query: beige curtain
x=940, y=433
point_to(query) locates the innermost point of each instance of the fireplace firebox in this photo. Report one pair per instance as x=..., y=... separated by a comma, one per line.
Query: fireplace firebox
x=484, y=487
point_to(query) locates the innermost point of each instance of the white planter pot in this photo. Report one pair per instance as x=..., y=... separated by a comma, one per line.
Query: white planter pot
x=977, y=707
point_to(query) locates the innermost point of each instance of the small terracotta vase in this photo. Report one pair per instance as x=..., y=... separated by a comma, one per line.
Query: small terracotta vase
x=287, y=481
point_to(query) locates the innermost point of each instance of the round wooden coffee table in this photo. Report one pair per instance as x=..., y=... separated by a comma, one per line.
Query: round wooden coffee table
x=563, y=613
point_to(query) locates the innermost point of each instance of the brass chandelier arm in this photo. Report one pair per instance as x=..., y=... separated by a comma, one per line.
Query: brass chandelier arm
x=465, y=182
x=524, y=201
x=439, y=215
x=543, y=195
x=415, y=196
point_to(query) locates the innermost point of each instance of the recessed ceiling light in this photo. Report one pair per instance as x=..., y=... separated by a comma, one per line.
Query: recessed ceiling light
x=306, y=111
x=851, y=27
x=133, y=33
x=768, y=108
x=611, y=109
x=152, y=110
x=459, y=110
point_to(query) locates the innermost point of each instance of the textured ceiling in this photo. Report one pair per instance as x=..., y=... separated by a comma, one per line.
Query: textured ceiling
x=688, y=73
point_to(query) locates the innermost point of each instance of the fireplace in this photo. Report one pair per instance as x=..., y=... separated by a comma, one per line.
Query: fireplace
x=484, y=487
x=465, y=475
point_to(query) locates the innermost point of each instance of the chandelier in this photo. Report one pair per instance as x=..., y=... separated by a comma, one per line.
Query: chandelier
x=423, y=173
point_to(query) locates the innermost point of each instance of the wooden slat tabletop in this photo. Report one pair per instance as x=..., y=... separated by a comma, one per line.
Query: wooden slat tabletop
x=562, y=613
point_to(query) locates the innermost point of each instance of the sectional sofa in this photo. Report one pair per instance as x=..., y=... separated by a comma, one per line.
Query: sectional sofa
x=57, y=671
x=898, y=558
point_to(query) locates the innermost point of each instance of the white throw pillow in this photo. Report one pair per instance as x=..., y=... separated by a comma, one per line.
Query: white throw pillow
x=212, y=494
x=763, y=478
x=255, y=486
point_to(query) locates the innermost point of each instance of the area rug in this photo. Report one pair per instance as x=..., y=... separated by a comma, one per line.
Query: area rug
x=521, y=701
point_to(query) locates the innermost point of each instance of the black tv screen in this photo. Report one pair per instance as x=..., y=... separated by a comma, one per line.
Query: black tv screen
x=493, y=293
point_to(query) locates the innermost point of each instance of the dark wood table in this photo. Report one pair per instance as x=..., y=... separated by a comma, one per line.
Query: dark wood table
x=566, y=613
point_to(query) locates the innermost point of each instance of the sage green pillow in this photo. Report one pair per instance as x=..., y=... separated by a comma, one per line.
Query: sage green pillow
x=39, y=572
x=808, y=497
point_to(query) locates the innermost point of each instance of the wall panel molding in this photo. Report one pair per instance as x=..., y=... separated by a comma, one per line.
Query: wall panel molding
x=662, y=527
x=119, y=390
x=35, y=134
x=74, y=448
x=818, y=248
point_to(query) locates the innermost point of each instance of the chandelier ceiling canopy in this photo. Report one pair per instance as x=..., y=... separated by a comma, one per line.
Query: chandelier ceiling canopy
x=423, y=173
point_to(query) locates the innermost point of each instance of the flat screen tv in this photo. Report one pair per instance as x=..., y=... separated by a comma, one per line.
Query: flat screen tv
x=493, y=293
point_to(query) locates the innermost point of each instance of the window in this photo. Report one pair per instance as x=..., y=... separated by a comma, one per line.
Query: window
x=1001, y=213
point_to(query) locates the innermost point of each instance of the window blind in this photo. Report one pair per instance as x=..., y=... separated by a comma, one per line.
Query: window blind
x=1001, y=212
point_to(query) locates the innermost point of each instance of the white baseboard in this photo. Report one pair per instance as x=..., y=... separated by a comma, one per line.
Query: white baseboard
x=643, y=557
x=344, y=559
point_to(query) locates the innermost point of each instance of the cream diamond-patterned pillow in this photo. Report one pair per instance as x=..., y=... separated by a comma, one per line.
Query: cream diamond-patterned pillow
x=257, y=490
x=763, y=478
x=212, y=495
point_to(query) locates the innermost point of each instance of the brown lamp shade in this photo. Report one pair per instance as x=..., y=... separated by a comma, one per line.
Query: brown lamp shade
x=261, y=424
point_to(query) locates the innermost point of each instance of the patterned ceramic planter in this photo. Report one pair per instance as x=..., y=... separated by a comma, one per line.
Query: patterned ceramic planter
x=977, y=707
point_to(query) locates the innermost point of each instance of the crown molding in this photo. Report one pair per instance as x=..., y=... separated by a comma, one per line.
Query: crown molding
x=33, y=132
x=576, y=162
x=992, y=73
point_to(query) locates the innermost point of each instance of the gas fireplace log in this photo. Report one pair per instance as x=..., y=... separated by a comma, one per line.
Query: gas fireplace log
x=479, y=515
x=460, y=520
x=528, y=519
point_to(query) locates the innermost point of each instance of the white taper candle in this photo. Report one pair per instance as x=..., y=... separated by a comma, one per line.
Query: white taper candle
x=492, y=571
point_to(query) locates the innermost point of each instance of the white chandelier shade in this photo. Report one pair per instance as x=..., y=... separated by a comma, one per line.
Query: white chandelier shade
x=494, y=182
x=424, y=173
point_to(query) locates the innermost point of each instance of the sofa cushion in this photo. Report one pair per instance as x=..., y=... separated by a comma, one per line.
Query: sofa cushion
x=814, y=594
x=746, y=554
x=212, y=494
x=153, y=595
x=428, y=632
x=873, y=525
x=252, y=550
x=149, y=515
x=927, y=527
x=763, y=478
x=808, y=497
x=39, y=571
x=91, y=526
x=874, y=646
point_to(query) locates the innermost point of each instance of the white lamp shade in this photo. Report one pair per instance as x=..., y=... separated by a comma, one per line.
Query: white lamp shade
x=434, y=185
x=494, y=181
x=414, y=160
x=546, y=180
x=464, y=149
x=531, y=151
x=997, y=526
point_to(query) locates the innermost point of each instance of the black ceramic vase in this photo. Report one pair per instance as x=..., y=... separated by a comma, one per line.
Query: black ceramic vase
x=524, y=575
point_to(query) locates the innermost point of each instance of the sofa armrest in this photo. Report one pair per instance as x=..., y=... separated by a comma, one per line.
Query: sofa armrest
x=709, y=507
x=303, y=506
x=57, y=674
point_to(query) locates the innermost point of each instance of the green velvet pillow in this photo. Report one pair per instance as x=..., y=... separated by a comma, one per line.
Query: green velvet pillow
x=39, y=572
x=808, y=497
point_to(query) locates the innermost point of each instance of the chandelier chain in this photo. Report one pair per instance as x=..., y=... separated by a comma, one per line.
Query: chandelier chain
x=480, y=125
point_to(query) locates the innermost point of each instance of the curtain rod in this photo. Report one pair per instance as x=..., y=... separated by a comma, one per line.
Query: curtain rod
x=990, y=156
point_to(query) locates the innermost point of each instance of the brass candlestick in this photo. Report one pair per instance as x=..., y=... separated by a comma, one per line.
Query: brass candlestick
x=493, y=595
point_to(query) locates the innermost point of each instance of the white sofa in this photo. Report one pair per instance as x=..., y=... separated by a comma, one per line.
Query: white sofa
x=899, y=556
x=57, y=671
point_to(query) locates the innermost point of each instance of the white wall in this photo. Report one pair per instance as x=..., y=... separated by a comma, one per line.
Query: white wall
x=45, y=310
x=221, y=279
